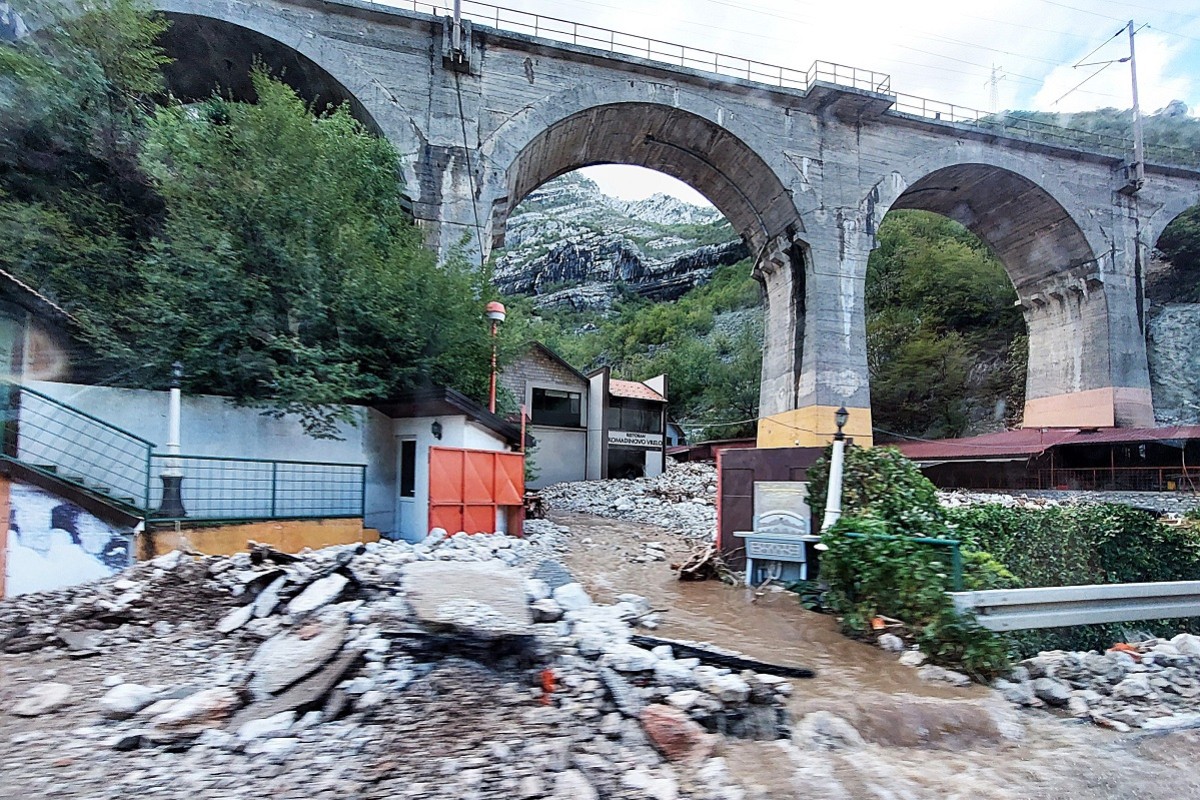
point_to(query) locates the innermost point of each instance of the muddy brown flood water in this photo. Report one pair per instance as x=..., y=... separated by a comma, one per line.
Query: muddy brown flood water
x=923, y=740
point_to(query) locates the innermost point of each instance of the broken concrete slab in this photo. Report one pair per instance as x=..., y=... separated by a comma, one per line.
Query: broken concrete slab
x=482, y=599
x=235, y=619
x=319, y=593
x=289, y=656
x=309, y=693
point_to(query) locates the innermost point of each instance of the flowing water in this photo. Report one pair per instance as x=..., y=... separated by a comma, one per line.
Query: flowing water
x=923, y=740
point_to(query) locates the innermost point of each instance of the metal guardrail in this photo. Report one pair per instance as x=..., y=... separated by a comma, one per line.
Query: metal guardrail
x=216, y=488
x=627, y=44
x=73, y=446
x=1059, y=606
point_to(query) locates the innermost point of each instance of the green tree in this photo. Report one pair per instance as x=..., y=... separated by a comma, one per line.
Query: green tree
x=938, y=305
x=288, y=272
x=76, y=208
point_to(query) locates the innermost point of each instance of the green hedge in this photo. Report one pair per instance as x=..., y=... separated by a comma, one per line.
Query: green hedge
x=1081, y=544
x=885, y=495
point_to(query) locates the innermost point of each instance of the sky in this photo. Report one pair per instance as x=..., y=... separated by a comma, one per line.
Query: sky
x=939, y=49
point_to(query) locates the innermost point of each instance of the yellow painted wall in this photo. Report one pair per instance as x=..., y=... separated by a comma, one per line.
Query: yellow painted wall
x=289, y=536
x=813, y=426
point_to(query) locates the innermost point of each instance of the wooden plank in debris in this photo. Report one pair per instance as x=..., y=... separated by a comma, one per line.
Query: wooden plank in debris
x=716, y=659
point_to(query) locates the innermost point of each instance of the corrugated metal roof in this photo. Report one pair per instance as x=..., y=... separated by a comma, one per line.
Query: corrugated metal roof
x=1030, y=442
x=1022, y=442
x=634, y=390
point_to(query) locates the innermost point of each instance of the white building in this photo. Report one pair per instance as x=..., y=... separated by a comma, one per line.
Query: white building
x=587, y=426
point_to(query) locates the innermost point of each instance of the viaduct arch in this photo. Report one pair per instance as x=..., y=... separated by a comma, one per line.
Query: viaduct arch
x=805, y=175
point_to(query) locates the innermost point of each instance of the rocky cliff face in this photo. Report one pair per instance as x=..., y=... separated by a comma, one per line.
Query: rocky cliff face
x=1175, y=363
x=570, y=245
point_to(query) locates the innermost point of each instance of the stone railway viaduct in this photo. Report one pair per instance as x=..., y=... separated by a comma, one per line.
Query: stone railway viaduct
x=804, y=175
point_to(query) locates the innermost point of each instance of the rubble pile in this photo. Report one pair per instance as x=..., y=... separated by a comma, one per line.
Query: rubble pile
x=1171, y=503
x=462, y=666
x=682, y=499
x=1154, y=684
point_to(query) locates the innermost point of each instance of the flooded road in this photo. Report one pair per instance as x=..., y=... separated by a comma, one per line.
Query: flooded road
x=922, y=740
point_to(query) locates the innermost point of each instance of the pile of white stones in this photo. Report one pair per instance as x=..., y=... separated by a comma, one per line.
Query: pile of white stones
x=286, y=662
x=1154, y=684
x=682, y=499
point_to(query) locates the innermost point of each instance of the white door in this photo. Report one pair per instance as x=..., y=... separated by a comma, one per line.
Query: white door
x=407, y=523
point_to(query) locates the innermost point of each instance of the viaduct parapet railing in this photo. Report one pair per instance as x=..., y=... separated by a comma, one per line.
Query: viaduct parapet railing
x=697, y=58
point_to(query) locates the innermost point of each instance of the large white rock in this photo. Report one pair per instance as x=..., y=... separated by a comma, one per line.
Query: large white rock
x=275, y=725
x=1187, y=644
x=194, y=714
x=43, y=699
x=122, y=702
x=625, y=657
x=674, y=673
x=319, y=593
x=571, y=597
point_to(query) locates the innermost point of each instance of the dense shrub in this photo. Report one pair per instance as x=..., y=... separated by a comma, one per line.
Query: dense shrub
x=1074, y=545
x=883, y=570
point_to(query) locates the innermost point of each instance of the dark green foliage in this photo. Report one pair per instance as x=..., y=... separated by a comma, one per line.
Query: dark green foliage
x=264, y=246
x=1073, y=545
x=938, y=304
x=887, y=572
x=881, y=483
x=1180, y=241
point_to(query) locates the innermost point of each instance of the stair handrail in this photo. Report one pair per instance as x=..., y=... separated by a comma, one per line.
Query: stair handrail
x=132, y=483
x=79, y=412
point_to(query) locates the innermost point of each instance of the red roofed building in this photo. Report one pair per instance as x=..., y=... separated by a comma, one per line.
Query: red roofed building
x=1127, y=459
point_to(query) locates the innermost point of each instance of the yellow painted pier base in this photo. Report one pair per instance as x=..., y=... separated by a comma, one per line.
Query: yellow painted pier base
x=289, y=536
x=813, y=426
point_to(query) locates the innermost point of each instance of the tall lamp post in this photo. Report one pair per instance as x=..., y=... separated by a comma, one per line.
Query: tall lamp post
x=172, y=474
x=496, y=313
x=833, y=499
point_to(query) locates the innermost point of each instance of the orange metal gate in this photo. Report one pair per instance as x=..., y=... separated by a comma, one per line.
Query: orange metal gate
x=471, y=490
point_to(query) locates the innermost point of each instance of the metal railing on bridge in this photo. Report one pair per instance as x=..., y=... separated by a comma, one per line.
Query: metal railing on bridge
x=710, y=61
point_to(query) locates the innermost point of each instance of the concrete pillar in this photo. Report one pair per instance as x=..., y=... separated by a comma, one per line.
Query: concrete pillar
x=1087, y=345
x=833, y=363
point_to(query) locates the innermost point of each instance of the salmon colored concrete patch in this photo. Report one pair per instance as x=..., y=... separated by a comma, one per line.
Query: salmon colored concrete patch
x=289, y=536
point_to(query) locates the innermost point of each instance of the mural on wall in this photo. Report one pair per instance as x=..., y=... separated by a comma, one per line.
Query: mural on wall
x=53, y=543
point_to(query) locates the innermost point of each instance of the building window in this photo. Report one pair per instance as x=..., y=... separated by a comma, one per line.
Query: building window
x=554, y=407
x=408, y=468
x=635, y=416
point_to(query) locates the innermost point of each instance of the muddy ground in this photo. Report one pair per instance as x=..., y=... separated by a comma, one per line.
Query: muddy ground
x=923, y=741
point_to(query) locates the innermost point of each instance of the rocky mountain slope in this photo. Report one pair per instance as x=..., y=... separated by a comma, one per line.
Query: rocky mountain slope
x=569, y=245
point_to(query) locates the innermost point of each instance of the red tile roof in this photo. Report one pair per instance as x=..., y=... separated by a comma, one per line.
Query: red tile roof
x=1029, y=442
x=634, y=390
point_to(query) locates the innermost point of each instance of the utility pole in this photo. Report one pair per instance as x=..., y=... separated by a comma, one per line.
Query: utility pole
x=1138, y=175
x=994, y=95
